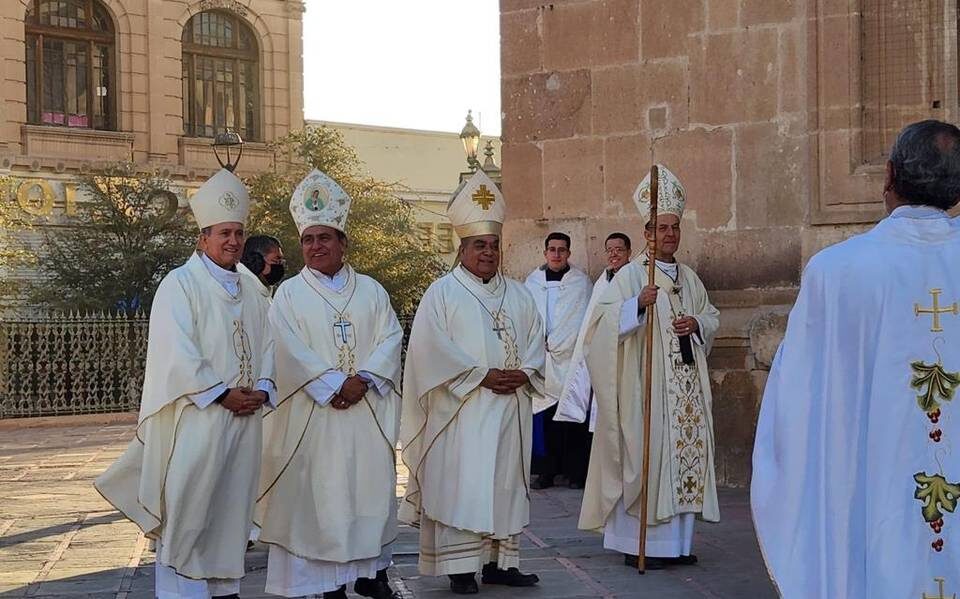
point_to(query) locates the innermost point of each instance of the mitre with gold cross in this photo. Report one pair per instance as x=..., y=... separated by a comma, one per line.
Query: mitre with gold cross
x=222, y=199
x=477, y=207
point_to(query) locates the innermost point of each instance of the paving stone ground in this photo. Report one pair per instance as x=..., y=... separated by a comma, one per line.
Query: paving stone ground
x=59, y=538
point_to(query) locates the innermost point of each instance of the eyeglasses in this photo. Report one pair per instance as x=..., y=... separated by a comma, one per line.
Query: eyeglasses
x=617, y=251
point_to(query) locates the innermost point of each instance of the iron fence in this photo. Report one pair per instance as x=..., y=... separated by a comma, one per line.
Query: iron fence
x=61, y=364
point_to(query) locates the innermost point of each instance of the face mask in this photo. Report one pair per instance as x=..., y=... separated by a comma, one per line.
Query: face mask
x=275, y=275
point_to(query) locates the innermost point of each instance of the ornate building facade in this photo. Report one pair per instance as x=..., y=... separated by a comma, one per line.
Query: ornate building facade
x=93, y=82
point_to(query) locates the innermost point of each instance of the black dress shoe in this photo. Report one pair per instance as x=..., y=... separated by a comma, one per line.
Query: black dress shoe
x=510, y=577
x=542, y=482
x=340, y=593
x=378, y=588
x=464, y=584
x=683, y=560
x=652, y=563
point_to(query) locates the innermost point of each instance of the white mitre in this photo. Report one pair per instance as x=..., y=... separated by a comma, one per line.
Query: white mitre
x=671, y=199
x=477, y=207
x=222, y=199
x=319, y=200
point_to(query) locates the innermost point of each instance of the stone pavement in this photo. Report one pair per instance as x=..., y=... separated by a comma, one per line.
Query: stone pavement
x=59, y=538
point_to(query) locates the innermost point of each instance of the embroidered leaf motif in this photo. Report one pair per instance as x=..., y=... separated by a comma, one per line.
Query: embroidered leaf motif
x=936, y=494
x=939, y=384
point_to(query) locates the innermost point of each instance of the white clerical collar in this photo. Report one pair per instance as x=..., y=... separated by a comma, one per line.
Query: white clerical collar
x=228, y=279
x=336, y=283
x=922, y=212
x=669, y=268
x=490, y=285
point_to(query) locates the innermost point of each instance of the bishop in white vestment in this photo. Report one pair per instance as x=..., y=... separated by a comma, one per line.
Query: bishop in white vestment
x=856, y=465
x=561, y=292
x=681, y=479
x=474, y=363
x=188, y=479
x=327, y=503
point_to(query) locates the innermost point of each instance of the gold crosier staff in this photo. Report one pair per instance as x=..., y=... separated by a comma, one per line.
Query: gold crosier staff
x=648, y=371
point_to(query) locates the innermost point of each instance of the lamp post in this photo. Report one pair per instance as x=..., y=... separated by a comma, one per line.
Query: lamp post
x=470, y=137
x=227, y=140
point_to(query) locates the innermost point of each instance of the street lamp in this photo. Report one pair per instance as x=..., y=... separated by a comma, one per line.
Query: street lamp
x=226, y=140
x=470, y=136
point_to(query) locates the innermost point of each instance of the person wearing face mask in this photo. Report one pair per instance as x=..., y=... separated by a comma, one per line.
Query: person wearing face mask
x=189, y=477
x=475, y=361
x=262, y=260
x=327, y=503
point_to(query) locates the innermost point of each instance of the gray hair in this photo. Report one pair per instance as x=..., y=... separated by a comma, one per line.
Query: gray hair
x=926, y=164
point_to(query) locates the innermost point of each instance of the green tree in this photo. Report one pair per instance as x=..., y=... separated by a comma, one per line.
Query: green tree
x=381, y=228
x=128, y=234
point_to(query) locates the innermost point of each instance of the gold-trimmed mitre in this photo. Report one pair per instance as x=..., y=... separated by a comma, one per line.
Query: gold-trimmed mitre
x=222, y=199
x=671, y=198
x=477, y=207
x=319, y=200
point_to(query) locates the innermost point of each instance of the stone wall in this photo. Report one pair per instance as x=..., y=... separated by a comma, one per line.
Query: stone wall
x=757, y=106
x=149, y=90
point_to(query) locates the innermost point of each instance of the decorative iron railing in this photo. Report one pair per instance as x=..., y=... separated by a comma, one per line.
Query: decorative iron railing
x=76, y=363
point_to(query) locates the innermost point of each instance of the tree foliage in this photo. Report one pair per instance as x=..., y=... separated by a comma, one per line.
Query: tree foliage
x=381, y=228
x=127, y=235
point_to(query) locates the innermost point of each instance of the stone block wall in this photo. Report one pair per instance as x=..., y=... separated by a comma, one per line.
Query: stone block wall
x=757, y=106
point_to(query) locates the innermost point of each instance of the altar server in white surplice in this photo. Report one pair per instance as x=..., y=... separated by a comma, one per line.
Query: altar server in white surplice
x=681, y=479
x=577, y=402
x=328, y=491
x=856, y=465
x=561, y=292
x=189, y=479
x=474, y=363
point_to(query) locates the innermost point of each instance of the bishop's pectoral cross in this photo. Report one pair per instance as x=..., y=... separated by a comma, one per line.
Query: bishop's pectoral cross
x=343, y=326
x=936, y=310
x=940, y=582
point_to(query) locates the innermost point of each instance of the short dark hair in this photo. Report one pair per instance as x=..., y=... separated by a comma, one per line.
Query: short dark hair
x=255, y=251
x=623, y=236
x=926, y=164
x=558, y=236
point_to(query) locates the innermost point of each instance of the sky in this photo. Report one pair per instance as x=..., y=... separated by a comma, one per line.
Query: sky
x=403, y=63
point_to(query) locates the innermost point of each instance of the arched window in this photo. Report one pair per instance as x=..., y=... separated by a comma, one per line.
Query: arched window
x=70, y=64
x=220, y=76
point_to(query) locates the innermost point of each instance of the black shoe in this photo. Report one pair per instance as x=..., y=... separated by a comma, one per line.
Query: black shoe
x=250, y=545
x=232, y=596
x=378, y=588
x=340, y=593
x=464, y=584
x=652, y=563
x=683, y=560
x=542, y=482
x=510, y=577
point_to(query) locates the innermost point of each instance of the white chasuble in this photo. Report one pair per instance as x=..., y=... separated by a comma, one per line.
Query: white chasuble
x=328, y=488
x=561, y=305
x=856, y=465
x=576, y=396
x=467, y=448
x=188, y=479
x=681, y=478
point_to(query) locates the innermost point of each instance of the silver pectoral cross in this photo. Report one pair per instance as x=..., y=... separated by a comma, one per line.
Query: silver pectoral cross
x=342, y=326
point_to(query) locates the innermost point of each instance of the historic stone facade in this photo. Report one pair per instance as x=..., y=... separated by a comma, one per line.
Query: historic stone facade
x=140, y=82
x=775, y=114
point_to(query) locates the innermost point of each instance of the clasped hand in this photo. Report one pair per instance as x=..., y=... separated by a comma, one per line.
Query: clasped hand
x=351, y=392
x=243, y=401
x=504, y=382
